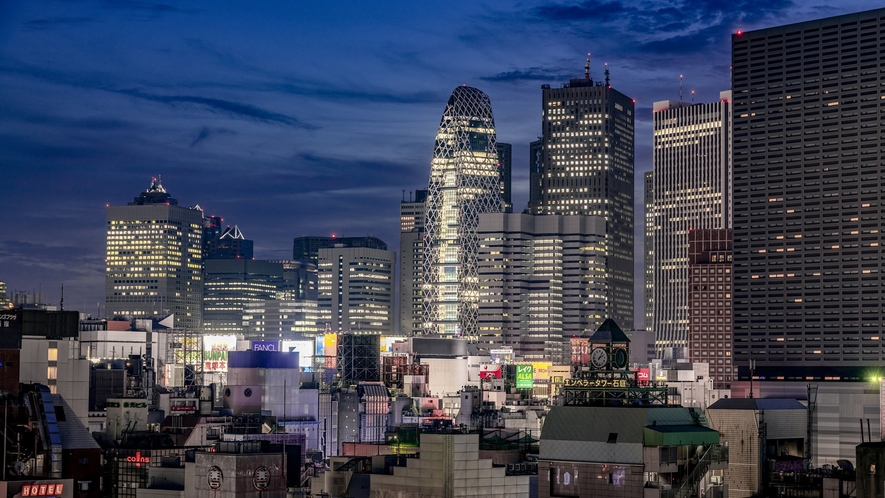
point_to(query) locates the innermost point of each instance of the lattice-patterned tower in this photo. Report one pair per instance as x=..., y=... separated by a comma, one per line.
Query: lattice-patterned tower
x=463, y=184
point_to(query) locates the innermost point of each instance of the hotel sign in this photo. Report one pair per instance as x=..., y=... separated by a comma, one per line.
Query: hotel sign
x=48, y=488
x=43, y=489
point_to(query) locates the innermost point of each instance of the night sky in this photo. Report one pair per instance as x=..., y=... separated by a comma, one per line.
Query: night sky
x=304, y=118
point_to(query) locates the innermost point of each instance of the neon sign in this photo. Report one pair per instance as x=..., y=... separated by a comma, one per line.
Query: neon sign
x=42, y=489
x=137, y=459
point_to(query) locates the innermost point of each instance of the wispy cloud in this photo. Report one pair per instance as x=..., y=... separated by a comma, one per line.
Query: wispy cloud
x=528, y=74
x=231, y=108
x=57, y=22
x=590, y=10
x=206, y=132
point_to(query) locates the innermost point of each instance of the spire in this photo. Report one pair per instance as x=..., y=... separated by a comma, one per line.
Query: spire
x=233, y=233
x=587, y=68
x=157, y=184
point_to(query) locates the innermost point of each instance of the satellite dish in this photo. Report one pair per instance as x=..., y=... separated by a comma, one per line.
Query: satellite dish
x=20, y=468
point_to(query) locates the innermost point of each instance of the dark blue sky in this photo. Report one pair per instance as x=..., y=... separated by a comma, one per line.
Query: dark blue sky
x=303, y=118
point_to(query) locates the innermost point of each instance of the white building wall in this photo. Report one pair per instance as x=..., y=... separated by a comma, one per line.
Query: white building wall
x=447, y=375
x=66, y=375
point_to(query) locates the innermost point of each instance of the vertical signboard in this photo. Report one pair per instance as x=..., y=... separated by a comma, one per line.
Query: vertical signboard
x=525, y=377
x=215, y=349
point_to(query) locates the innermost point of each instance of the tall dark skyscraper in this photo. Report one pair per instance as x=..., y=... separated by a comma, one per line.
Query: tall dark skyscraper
x=231, y=244
x=809, y=214
x=505, y=163
x=154, y=259
x=587, y=136
x=536, y=168
x=411, y=263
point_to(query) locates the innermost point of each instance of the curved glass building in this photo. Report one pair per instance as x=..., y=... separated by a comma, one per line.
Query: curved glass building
x=464, y=182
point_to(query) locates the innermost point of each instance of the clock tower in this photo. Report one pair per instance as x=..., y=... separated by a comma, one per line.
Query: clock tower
x=609, y=348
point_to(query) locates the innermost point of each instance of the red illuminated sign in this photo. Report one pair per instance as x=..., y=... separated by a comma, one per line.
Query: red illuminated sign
x=42, y=489
x=138, y=459
x=490, y=371
x=580, y=351
x=643, y=376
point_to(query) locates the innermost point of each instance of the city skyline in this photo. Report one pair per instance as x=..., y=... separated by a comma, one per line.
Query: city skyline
x=294, y=122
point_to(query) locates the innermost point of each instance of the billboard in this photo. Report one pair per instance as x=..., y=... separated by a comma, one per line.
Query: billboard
x=305, y=350
x=215, y=349
x=265, y=346
x=490, y=371
x=643, y=376
x=541, y=370
x=525, y=378
x=580, y=351
x=388, y=341
x=502, y=355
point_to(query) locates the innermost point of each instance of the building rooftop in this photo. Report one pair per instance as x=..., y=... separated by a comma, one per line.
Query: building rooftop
x=757, y=404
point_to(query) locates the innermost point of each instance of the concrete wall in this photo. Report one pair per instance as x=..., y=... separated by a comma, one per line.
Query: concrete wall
x=836, y=419
x=738, y=429
x=589, y=479
x=71, y=373
x=449, y=466
x=238, y=472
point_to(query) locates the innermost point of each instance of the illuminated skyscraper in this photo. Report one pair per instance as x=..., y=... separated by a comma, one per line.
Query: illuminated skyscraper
x=542, y=280
x=355, y=289
x=464, y=182
x=587, y=169
x=692, y=190
x=154, y=259
x=649, y=198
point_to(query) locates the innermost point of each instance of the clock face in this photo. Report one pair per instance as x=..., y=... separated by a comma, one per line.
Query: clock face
x=620, y=358
x=599, y=358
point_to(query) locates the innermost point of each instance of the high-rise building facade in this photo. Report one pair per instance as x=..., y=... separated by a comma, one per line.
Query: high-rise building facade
x=299, y=280
x=542, y=279
x=709, y=304
x=411, y=263
x=692, y=190
x=154, y=259
x=308, y=248
x=536, y=168
x=809, y=213
x=228, y=284
x=464, y=182
x=356, y=289
x=587, y=136
x=279, y=319
x=505, y=166
x=648, y=243
x=231, y=244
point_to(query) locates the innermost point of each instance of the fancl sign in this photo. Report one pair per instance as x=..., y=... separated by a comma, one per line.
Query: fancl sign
x=265, y=346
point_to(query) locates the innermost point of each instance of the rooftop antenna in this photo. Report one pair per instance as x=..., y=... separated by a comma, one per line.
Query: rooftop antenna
x=680, y=88
x=692, y=96
x=62, y=303
x=607, y=83
x=404, y=195
x=587, y=67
